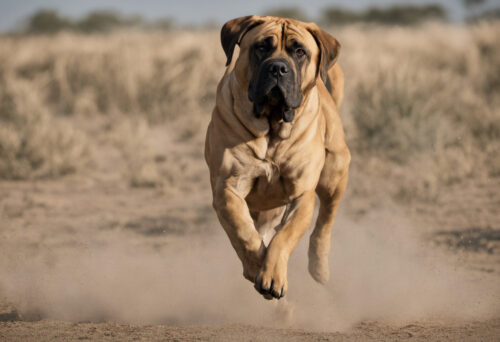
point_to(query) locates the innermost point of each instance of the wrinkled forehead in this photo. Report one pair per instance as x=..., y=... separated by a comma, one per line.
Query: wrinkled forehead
x=279, y=28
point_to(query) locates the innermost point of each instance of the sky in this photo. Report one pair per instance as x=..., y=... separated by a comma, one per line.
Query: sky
x=12, y=12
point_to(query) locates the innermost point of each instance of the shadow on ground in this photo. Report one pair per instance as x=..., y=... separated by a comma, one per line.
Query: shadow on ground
x=198, y=220
x=476, y=239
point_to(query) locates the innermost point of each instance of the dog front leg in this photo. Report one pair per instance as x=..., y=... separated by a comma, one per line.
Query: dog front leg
x=272, y=278
x=236, y=220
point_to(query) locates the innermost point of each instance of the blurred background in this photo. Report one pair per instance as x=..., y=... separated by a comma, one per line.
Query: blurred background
x=93, y=16
x=104, y=107
x=421, y=86
x=140, y=60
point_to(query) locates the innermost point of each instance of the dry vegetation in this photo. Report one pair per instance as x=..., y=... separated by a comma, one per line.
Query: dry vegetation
x=425, y=102
x=422, y=104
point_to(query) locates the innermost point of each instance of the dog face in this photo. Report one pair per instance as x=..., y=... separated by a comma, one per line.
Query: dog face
x=279, y=61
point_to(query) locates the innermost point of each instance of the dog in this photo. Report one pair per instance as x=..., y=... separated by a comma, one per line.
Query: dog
x=275, y=140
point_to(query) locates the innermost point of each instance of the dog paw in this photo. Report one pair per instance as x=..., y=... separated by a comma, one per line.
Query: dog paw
x=318, y=268
x=250, y=271
x=253, y=261
x=271, y=283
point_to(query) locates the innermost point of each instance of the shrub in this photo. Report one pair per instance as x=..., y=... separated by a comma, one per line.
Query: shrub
x=48, y=21
x=32, y=143
x=102, y=21
x=288, y=12
x=392, y=15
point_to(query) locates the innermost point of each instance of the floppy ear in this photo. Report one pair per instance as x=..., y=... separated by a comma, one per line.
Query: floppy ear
x=233, y=31
x=329, y=49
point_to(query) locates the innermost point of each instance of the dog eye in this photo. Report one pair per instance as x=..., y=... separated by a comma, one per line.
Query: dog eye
x=261, y=48
x=300, y=52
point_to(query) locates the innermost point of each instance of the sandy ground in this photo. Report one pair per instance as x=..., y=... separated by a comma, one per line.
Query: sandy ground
x=88, y=257
x=64, y=331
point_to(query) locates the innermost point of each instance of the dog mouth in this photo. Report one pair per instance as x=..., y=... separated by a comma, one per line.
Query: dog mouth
x=274, y=104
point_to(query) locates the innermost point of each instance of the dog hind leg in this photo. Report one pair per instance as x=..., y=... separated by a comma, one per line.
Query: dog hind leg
x=331, y=187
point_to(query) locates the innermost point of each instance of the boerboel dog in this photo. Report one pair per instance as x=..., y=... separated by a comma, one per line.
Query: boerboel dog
x=274, y=140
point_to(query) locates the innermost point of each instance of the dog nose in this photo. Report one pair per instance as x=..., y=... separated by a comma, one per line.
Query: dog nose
x=278, y=68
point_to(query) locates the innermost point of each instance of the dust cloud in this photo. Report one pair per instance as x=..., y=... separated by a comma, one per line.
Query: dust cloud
x=379, y=271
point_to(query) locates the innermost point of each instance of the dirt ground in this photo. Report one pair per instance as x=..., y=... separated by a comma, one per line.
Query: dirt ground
x=89, y=257
x=64, y=331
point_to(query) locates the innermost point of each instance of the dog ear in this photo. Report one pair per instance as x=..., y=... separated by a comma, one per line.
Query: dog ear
x=329, y=49
x=233, y=31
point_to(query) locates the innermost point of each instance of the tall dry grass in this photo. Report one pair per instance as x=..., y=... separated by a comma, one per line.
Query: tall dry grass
x=156, y=75
x=32, y=142
x=425, y=103
x=45, y=80
x=421, y=104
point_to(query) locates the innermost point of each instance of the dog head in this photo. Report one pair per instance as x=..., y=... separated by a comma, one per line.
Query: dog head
x=279, y=62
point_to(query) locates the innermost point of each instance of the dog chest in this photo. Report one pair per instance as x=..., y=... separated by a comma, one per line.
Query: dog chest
x=268, y=193
x=280, y=184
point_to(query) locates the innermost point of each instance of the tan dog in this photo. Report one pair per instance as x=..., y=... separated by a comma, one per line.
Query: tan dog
x=276, y=139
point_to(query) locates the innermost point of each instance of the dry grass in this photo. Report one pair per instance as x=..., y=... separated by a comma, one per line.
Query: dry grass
x=156, y=75
x=426, y=100
x=421, y=105
x=129, y=77
x=34, y=144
